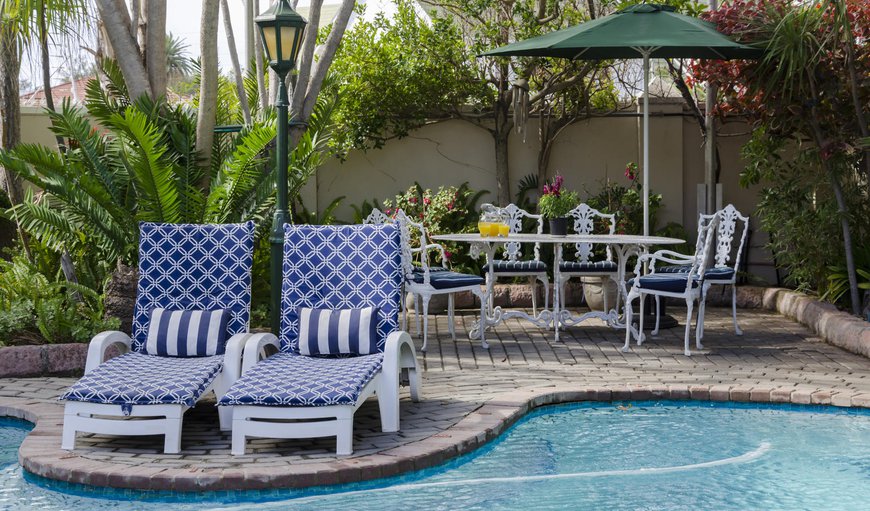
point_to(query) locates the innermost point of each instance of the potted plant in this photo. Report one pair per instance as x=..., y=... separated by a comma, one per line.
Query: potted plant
x=555, y=204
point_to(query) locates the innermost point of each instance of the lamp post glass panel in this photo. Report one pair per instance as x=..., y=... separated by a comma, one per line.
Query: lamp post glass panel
x=281, y=29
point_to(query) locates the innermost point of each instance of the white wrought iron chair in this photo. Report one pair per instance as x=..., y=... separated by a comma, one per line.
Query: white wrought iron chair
x=725, y=260
x=512, y=266
x=190, y=272
x=325, y=368
x=585, y=218
x=691, y=286
x=425, y=281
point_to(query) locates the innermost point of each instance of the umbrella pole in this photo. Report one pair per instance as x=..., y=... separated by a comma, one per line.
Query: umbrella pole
x=646, y=54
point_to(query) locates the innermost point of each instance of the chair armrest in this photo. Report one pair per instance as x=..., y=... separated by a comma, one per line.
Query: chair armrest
x=255, y=350
x=400, y=353
x=101, y=343
x=234, y=354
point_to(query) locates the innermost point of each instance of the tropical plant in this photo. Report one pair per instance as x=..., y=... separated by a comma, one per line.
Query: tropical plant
x=36, y=309
x=178, y=62
x=626, y=202
x=556, y=202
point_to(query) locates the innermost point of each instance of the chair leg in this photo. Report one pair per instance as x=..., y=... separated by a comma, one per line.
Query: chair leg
x=640, y=337
x=658, y=316
x=628, y=311
x=690, y=304
x=404, y=312
x=388, y=400
x=417, y=313
x=546, y=282
x=426, y=299
x=344, y=436
x=737, y=329
x=451, y=315
x=699, y=326
x=532, y=281
x=68, y=440
x=238, y=444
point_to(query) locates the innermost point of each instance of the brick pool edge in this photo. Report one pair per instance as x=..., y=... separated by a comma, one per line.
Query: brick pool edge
x=40, y=452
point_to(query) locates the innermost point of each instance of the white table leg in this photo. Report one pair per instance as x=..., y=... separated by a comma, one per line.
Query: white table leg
x=557, y=293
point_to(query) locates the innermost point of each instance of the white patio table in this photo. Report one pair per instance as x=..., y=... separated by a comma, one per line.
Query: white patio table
x=623, y=245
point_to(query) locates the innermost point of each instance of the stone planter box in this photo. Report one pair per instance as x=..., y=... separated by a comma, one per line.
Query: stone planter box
x=45, y=360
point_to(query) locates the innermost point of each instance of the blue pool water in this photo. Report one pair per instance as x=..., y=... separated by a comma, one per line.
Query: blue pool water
x=649, y=455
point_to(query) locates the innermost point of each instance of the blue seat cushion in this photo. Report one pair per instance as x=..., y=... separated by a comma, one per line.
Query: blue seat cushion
x=449, y=279
x=290, y=379
x=669, y=282
x=723, y=273
x=432, y=269
x=506, y=266
x=589, y=267
x=140, y=379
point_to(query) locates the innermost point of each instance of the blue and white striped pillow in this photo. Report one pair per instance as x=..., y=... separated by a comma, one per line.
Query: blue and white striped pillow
x=194, y=333
x=338, y=332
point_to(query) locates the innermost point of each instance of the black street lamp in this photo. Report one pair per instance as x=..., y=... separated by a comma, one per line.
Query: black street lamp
x=281, y=30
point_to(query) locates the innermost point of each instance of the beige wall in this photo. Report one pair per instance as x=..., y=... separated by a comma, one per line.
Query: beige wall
x=586, y=153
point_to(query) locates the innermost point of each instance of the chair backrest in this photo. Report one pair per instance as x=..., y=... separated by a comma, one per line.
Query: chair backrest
x=194, y=267
x=340, y=267
x=702, y=261
x=515, y=216
x=725, y=256
x=585, y=217
x=377, y=217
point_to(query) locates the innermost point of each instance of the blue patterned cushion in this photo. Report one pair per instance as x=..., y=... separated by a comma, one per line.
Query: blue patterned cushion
x=139, y=379
x=589, y=267
x=449, y=279
x=340, y=267
x=506, y=266
x=338, y=332
x=672, y=283
x=724, y=273
x=194, y=267
x=289, y=379
x=187, y=333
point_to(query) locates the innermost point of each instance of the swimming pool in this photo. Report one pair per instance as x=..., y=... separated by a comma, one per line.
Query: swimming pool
x=646, y=455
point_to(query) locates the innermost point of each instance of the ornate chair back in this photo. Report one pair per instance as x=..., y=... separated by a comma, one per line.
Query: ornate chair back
x=585, y=218
x=515, y=217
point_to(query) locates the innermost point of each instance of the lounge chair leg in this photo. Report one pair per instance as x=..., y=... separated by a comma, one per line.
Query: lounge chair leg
x=238, y=445
x=426, y=299
x=68, y=441
x=172, y=439
x=690, y=304
x=737, y=329
x=344, y=436
x=388, y=401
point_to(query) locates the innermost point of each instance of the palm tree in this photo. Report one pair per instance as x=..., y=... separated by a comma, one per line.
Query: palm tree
x=178, y=62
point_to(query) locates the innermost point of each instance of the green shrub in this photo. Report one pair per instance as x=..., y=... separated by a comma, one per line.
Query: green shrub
x=35, y=309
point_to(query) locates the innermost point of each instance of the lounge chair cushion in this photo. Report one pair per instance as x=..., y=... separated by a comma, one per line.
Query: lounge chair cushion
x=449, y=279
x=507, y=266
x=340, y=267
x=187, y=333
x=290, y=379
x=140, y=379
x=587, y=267
x=337, y=332
x=668, y=282
x=193, y=267
x=723, y=273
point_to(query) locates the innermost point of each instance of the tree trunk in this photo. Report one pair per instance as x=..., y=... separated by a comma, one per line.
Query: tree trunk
x=154, y=49
x=116, y=23
x=258, y=63
x=234, y=57
x=205, y=118
x=120, y=297
x=854, y=83
x=501, y=133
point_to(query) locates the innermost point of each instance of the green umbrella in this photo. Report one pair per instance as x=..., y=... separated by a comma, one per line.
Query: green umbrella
x=640, y=31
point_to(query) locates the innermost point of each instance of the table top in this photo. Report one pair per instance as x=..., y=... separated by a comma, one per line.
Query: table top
x=608, y=239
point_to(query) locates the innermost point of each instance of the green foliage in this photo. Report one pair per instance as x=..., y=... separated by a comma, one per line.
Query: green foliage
x=396, y=73
x=556, y=202
x=35, y=309
x=626, y=202
x=363, y=210
x=447, y=210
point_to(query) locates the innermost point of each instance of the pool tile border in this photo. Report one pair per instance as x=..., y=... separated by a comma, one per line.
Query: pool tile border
x=40, y=452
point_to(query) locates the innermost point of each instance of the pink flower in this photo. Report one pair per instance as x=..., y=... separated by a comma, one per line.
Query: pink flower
x=427, y=201
x=413, y=200
x=447, y=254
x=421, y=216
x=449, y=206
x=388, y=211
x=546, y=190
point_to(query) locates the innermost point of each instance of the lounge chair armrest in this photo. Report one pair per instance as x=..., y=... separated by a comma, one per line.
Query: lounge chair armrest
x=101, y=343
x=255, y=349
x=234, y=354
x=399, y=354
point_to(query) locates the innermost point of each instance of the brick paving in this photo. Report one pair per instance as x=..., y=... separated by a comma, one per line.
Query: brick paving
x=470, y=395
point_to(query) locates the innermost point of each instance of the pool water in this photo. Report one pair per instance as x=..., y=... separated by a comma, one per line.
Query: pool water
x=647, y=455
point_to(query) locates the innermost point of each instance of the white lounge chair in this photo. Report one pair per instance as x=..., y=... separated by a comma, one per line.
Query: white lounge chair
x=182, y=267
x=690, y=286
x=321, y=373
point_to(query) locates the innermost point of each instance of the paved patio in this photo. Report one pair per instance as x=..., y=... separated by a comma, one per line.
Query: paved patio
x=470, y=396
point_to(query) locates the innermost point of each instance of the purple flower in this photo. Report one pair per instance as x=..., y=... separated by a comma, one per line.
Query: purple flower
x=546, y=189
